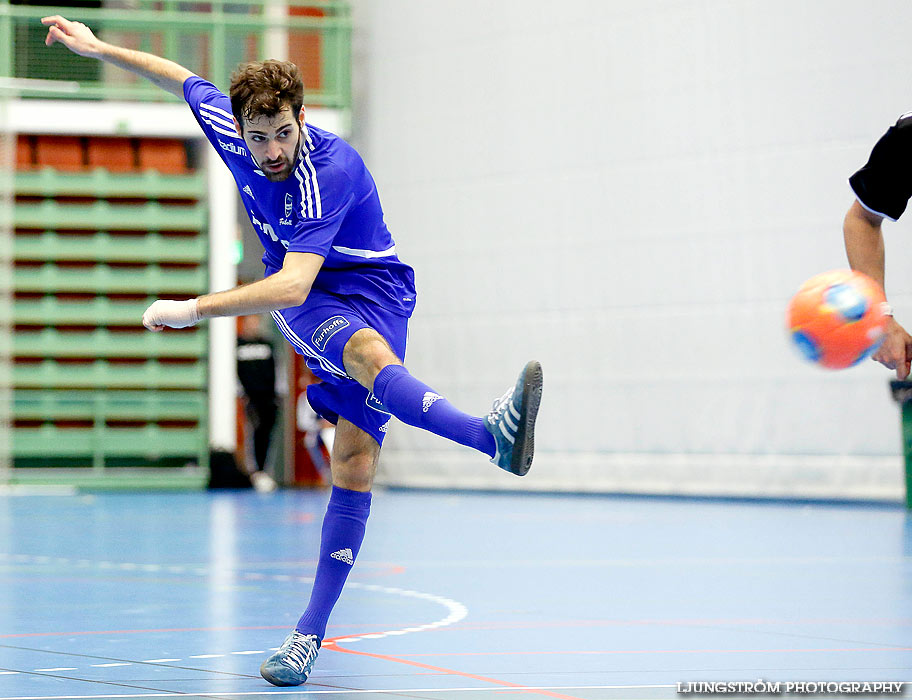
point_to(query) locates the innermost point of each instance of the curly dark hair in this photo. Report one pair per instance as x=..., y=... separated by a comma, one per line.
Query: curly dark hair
x=264, y=88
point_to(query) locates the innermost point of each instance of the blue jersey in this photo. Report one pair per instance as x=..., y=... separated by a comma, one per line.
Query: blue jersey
x=328, y=206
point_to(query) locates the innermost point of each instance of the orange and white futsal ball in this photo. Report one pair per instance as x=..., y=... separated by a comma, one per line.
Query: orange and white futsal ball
x=837, y=318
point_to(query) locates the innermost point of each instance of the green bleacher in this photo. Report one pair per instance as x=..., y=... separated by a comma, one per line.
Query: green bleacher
x=104, y=225
x=92, y=387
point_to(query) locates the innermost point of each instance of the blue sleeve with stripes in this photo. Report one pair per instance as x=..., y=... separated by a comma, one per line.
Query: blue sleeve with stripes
x=212, y=109
x=326, y=198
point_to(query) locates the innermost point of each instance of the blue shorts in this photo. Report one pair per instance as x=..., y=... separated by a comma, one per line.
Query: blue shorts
x=319, y=330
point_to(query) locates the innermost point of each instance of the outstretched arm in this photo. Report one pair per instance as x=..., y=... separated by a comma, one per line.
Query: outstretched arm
x=864, y=246
x=287, y=287
x=79, y=39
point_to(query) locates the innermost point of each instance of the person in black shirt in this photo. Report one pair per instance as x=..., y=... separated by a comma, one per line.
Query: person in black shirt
x=257, y=373
x=882, y=189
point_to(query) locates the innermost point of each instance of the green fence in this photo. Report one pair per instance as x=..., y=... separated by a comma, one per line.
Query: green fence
x=210, y=39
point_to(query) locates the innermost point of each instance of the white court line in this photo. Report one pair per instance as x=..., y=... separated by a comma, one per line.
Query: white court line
x=456, y=610
x=272, y=693
x=119, y=663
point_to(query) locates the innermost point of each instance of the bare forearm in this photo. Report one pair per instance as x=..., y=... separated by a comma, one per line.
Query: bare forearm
x=278, y=291
x=79, y=39
x=287, y=287
x=864, y=245
x=166, y=74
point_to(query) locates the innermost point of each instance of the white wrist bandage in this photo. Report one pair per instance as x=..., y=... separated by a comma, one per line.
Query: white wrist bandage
x=173, y=314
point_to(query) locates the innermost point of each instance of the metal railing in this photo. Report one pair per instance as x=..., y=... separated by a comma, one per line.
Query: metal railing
x=209, y=38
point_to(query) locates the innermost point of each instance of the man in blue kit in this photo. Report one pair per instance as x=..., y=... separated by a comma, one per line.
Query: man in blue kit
x=337, y=291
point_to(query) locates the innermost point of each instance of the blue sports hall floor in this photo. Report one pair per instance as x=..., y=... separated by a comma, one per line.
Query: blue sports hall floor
x=455, y=595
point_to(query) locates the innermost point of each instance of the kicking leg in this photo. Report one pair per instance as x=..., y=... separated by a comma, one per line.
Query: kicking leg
x=506, y=434
x=354, y=462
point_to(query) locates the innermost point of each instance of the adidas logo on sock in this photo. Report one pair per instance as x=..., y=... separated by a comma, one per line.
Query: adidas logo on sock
x=430, y=398
x=344, y=555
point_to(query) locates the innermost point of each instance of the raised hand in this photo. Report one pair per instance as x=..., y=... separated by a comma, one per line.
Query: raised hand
x=77, y=37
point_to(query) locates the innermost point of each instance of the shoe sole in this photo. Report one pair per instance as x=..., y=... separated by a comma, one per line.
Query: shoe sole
x=524, y=445
x=278, y=681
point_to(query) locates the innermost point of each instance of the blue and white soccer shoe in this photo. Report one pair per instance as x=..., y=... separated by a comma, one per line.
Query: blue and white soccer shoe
x=293, y=661
x=512, y=421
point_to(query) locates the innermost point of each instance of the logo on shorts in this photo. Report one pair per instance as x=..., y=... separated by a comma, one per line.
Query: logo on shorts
x=327, y=330
x=383, y=428
x=374, y=403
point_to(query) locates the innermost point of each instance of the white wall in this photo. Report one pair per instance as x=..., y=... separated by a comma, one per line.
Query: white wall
x=630, y=192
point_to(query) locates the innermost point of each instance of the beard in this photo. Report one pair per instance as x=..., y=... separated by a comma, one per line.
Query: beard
x=284, y=173
x=280, y=175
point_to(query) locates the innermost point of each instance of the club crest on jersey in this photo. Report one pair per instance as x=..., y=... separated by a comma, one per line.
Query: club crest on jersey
x=374, y=403
x=327, y=330
x=289, y=203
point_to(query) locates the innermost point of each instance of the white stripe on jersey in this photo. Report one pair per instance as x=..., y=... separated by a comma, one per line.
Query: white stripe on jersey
x=215, y=117
x=316, y=185
x=219, y=129
x=306, y=204
x=360, y=253
x=305, y=349
x=309, y=182
x=218, y=110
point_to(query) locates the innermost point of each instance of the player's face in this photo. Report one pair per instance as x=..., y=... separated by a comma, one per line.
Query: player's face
x=275, y=142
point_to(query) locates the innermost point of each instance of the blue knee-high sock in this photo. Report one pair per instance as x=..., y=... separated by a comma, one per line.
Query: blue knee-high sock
x=415, y=403
x=340, y=542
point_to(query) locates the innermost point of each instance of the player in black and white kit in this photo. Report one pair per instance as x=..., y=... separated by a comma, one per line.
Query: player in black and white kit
x=882, y=190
